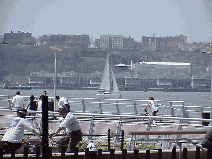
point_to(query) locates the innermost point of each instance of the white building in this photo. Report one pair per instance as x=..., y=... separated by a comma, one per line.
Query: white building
x=111, y=41
x=117, y=41
x=162, y=68
x=105, y=41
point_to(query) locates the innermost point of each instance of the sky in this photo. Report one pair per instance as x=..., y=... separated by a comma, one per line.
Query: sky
x=134, y=18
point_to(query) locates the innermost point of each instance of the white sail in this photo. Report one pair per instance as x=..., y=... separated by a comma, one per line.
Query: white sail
x=105, y=83
x=115, y=86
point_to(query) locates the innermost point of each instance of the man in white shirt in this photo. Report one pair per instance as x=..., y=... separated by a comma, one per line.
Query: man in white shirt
x=18, y=101
x=15, y=133
x=72, y=127
x=63, y=102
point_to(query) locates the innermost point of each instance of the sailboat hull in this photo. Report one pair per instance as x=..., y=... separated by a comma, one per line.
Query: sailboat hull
x=107, y=95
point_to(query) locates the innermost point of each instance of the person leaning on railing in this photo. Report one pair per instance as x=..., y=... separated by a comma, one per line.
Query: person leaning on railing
x=15, y=133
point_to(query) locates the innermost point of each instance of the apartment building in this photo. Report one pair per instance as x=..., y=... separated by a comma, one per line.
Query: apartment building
x=81, y=40
x=164, y=43
x=19, y=38
x=105, y=41
x=117, y=41
x=130, y=44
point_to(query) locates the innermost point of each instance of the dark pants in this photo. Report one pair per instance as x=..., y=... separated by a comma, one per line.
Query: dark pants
x=207, y=140
x=7, y=146
x=73, y=139
x=154, y=113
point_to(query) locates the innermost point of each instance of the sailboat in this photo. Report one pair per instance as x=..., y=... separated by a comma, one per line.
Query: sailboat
x=108, y=80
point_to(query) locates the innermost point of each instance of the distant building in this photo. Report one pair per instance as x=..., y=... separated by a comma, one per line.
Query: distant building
x=1, y=39
x=161, y=68
x=82, y=40
x=149, y=43
x=20, y=38
x=105, y=41
x=201, y=81
x=65, y=79
x=130, y=44
x=164, y=43
x=117, y=41
x=97, y=43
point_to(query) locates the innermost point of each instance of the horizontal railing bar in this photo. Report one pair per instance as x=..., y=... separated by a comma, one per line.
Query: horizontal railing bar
x=166, y=132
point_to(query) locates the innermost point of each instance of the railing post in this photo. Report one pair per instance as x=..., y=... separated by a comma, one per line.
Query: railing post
x=136, y=154
x=197, y=152
x=37, y=152
x=174, y=152
x=1, y=153
x=83, y=106
x=100, y=107
x=209, y=153
x=172, y=109
x=122, y=139
x=12, y=151
x=91, y=127
x=108, y=140
x=76, y=152
x=112, y=153
x=63, y=150
x=86, y=153
x=99, y=153
x=147, y=154
x=160, y=155
x=45, y=127
x=135, y=109
x=185, y=113
x=10, y=107
x=185, y=153
x=50, y=152
x=124, y=154
x=25, y=152
x=117, y=108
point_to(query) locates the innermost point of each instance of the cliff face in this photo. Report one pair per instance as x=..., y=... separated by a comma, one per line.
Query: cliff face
x=21, y=60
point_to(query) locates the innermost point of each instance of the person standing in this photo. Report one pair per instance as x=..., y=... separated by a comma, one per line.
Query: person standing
x=63, y=102
x=44, y=93
x=15, y=133
x=153, y=105
x=33, y=106
x=18, y=101
x=72, y=128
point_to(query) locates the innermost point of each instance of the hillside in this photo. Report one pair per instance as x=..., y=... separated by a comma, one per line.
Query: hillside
x=21, y=60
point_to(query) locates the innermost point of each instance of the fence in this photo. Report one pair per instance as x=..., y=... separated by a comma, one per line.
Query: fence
x=124, y=154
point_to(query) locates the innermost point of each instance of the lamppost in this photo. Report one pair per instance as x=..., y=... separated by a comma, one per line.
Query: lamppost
x=209, y=51
x=55, y=77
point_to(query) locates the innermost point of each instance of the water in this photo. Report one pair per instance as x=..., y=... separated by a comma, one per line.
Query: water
x=190, y=98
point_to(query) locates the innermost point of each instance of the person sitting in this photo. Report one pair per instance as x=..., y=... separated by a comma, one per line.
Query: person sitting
x=153, y=105
x=15, y=134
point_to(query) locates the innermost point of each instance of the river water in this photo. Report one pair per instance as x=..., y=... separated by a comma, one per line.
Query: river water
x=189, y=98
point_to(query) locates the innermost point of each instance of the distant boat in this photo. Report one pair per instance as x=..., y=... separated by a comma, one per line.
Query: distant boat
x=108, y=86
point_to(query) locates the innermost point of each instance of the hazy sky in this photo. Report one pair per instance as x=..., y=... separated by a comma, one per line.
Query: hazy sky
x=134, y=18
